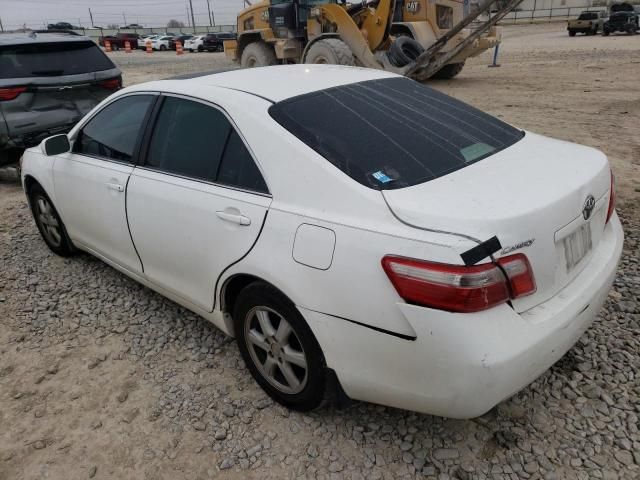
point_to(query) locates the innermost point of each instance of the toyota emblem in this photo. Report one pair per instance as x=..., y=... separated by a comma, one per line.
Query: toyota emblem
x=589, y=204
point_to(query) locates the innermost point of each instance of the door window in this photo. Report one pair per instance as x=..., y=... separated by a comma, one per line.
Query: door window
x=114, y=131
x=191, y=138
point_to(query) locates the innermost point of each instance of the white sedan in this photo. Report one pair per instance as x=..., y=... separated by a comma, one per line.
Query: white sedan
x=357, y=232
x=161, y=42
x=194, y=44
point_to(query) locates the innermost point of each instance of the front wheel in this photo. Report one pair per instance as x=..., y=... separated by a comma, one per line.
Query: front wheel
x=258, y=54
x=279, y=348
x=162, y=48
x=572, y=33
x=330, y=51
x=49, y=223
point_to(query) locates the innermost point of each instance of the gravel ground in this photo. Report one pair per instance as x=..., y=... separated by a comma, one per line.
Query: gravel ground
x=102, y=378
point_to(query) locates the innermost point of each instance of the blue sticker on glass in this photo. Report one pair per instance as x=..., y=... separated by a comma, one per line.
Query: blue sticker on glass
x=381, y=177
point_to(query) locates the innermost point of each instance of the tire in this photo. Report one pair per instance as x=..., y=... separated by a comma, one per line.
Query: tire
x=449, y=71
x=191, y=50
x=258, y=54
x=331, y=51
x=261, y=308
x=404, y=50
x=115, y=47
x=572, y=33
x=200, y=49
x=605, y=32
x=48, y=221
x=162, y=48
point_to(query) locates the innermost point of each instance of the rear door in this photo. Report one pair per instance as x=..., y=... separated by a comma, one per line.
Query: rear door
x=91, y=181
x=198, y=203
x=55, y=84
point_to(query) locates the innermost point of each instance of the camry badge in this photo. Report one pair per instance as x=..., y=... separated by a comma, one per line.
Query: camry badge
x=589, y=204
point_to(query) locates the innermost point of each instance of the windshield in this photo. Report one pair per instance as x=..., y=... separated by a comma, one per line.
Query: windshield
x=394, y=132
x=52, y=59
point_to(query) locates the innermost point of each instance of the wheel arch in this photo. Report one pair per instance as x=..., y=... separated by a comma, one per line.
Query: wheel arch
x=230, y=290
x=246, y=38
x=324, y=36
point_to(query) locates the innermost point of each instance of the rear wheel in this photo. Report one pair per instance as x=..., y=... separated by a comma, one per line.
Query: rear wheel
x=162, y=48
x=605, y=32
x=49, y=223
x=279, y=348
x=200, y=48
x=449, y=71
x=258, y=54
x=330, y=51
x=572, y=33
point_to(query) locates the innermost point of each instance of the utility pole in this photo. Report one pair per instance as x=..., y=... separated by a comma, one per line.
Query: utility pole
x=1, y=27
x=212, y=20
x=125, y=19
x=91, y=17
x=188, y=19
x=193, y=20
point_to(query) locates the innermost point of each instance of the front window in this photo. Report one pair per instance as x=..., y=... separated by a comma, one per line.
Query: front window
x=444, y=17
x=394, y=132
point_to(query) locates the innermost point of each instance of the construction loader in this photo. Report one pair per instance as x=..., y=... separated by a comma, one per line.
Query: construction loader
x=417, y=38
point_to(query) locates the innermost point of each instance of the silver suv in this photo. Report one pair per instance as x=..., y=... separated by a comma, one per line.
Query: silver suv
x=48, y=81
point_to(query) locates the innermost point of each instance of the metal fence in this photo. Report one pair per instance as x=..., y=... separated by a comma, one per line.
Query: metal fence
x=95, y=33
x=547, y=14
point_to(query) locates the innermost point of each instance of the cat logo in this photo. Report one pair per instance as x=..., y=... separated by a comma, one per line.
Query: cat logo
x=413, y=7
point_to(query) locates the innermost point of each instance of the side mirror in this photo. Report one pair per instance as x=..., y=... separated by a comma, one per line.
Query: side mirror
x=55, y=145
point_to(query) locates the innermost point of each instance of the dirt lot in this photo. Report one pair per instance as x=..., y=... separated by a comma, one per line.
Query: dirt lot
x=102, y=378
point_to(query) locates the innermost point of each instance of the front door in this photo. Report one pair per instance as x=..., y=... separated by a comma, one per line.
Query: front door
x=97, y=171
x=198, y=202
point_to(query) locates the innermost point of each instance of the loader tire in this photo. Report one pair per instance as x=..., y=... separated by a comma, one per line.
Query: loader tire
x=330, y=51
x=449, y=71
x=258, y=54
x=404, y=50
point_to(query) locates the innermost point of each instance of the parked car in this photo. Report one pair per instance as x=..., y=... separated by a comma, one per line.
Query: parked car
x=397, y=245
x=48, y=81
x=142, y=42
x=194, y=44
x=118, y=41
x=161, y=42
x=214, y=42
x=61, y=26
x=626, y=22
x=589, y=22
x=181, y=38
x=133, y=26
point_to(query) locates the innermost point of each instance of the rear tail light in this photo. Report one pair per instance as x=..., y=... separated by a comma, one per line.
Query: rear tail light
x=460, y=288
x=612, y=198
x=111, y=84
x=11, y=93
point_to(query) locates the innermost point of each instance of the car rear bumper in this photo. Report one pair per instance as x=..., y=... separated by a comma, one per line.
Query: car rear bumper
x=462, y=365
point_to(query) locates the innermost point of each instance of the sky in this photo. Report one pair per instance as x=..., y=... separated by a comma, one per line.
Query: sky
x=152, y=13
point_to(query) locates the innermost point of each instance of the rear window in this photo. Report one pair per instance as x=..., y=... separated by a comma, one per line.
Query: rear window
x=51, y=59
x=394, y=132
x=588, y=16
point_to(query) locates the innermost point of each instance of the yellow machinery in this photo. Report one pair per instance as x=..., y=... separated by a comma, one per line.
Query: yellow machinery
x=417, y=38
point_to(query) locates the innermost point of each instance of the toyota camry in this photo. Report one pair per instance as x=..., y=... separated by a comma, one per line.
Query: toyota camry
x=358, y=233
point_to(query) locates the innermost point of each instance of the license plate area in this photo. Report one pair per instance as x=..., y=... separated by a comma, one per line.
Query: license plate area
x=577, y=245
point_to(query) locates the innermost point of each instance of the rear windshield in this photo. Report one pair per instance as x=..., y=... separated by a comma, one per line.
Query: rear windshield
x=588, y=16
x=51, y=59
x=394, y=132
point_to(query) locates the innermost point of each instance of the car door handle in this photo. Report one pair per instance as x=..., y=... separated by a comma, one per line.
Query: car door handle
x=233, y=216
x=115, y=186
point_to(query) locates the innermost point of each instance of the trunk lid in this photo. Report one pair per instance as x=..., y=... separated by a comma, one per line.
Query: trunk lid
x=531, y=196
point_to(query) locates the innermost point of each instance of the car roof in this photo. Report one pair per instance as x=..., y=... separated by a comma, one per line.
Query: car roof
x=280, y=82
x=27, y=38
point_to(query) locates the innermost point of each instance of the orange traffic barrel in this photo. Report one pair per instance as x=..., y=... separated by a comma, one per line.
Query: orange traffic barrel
x=149, y=49
x=107, y=46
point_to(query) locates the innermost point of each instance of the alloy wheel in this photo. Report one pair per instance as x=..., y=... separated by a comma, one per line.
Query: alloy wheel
x=48, y=221
x=276, y=350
